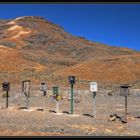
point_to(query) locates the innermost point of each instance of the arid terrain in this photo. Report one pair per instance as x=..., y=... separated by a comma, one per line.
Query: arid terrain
x=33, y=48
x=18, y=121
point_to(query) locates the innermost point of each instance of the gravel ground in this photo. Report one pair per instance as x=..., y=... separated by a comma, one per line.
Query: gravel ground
x=16, y=121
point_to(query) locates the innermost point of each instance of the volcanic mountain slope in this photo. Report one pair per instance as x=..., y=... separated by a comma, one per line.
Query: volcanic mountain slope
x=47, y=49
x=117, y=69
x=12, y=61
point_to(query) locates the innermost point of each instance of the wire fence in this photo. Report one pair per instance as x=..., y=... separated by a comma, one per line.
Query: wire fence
x=107, y=101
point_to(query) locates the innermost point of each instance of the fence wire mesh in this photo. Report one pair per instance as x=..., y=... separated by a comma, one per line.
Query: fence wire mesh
x=107, y=101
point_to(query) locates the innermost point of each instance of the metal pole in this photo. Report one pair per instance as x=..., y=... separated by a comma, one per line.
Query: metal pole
x=27, y=101
x=71, y=99
x=126, y=108
x=44, y=101
x=6, y=99
x=94, y=104
x=57, y=107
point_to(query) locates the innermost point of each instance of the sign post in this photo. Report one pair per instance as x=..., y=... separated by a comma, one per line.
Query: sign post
x=6, y=87
x=57, y=97
x=43, y=88
x=26, y=90
x=124, y=89
x=72, y=82
x=93, y=88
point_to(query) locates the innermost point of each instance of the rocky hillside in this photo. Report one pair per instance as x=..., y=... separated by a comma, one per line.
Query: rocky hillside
x=33, y=47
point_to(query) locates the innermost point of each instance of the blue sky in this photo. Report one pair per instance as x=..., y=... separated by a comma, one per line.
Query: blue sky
x=111, y=24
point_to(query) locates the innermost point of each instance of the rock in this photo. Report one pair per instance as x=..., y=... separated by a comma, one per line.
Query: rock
x=123, y=120
x=61, y=130
x=113, y=118
x=114, y=115
x=110, y=94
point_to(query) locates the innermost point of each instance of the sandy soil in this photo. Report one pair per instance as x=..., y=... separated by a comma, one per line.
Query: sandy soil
x=16, y=121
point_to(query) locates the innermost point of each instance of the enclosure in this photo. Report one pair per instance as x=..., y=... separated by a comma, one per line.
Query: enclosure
x=17, y=118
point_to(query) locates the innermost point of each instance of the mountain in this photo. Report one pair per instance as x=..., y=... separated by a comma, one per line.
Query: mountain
x=33, y=47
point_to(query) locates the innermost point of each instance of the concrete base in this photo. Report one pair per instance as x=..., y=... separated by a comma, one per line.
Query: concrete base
x=73, y=115
x=28, y=110
x=59, y=113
